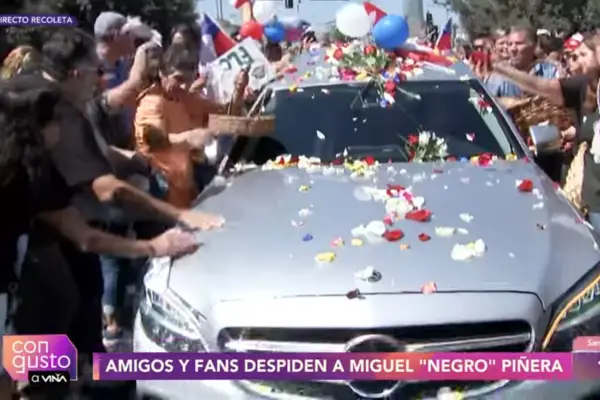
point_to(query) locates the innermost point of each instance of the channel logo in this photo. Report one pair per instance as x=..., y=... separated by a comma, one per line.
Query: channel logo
x=39, y=358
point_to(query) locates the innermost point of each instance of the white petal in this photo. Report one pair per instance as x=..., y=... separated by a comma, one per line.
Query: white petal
x=418, y=201
x=461, y=252
x=365, y=273
x=445, y=231
x=479, y=248
x=466, y=217
x=360, y=230
x=376, y=228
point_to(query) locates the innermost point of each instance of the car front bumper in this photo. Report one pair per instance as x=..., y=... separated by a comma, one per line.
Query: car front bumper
x=185, y=390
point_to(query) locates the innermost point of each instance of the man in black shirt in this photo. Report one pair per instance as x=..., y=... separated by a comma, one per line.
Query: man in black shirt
x=82, y=159
x=30, y=187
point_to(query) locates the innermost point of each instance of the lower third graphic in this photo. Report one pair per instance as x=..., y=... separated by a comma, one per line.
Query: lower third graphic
x=39, y=359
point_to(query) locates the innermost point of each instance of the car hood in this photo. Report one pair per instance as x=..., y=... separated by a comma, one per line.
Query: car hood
x=536, y=243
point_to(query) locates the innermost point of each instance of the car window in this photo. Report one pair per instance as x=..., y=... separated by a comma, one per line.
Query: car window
x=326, y=122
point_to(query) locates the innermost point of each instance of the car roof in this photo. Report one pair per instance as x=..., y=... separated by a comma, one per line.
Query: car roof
x=314, y=70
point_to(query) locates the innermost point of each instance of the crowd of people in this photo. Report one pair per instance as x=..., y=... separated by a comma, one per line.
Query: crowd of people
x=521, y=62
x=102, y=153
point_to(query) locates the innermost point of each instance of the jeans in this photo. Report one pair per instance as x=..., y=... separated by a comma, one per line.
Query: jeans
x=114, y=273
x=203, y=175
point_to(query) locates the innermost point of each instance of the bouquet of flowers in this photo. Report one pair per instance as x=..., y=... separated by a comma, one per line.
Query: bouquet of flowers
x=426, y=147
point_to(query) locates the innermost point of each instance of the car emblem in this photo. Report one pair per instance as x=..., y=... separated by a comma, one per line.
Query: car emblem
x=374, y=343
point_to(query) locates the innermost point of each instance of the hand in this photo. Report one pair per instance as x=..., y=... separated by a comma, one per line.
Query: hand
x=146, y=62
x=198, y=138
x=250, y=94
x=199, y=83
x=173, y=242
x=201, y=220
x=242, y=79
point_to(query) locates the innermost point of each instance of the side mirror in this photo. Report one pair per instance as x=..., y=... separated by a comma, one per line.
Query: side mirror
x=545, y=138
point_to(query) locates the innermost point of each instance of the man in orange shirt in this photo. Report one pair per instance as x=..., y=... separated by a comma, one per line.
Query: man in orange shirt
x=170, y=123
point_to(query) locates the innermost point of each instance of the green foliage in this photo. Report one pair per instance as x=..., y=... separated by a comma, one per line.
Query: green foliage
x=160, y=14
x=479, y=16
x=336, y=35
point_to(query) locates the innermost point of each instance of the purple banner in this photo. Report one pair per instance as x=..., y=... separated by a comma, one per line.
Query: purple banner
x=333, y=366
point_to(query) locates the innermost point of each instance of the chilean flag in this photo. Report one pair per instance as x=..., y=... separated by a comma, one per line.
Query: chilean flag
x=374, y=12
x=444, y=42
x=214, y=36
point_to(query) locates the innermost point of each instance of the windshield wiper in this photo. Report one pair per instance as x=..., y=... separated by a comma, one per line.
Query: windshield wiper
x=364, y=151
x=361, y=93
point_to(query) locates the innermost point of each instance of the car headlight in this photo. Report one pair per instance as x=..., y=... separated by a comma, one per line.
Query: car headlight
x=575, y=314
x=167, y=319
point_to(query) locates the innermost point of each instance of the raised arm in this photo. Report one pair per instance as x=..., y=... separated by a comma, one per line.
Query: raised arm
x=549, y=88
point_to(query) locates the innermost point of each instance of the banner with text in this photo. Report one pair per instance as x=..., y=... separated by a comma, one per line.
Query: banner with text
x=224, y=69
x=346, y=366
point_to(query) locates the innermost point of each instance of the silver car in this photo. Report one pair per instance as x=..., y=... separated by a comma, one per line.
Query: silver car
x=256, y=285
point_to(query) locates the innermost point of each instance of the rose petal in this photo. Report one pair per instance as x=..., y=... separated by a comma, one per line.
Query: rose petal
x=376, y=228
x=357, y=242
x=365, y=273
x=393, y=235
x=337, y=242
x=353, y=294
x=418, y=215
x=423, y=237
x=404, y=246
x=445, y=231
x=428, y=288
x=388, y=220
x=325, y=257
x=307, y=238
x=525, y=186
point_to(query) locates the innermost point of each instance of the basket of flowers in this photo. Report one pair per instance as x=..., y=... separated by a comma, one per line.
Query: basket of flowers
x=537, y=110
x=260, y=125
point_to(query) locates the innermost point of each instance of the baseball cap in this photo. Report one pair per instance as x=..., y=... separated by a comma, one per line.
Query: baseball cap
x=109, y=23
x=573, y=42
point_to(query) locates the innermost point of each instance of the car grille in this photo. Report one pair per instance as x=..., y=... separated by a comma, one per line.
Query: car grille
x=505, y=336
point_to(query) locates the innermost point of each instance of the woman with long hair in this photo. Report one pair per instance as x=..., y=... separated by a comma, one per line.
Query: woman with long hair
x=30, y=187
x=579, y=93
x=20, y=59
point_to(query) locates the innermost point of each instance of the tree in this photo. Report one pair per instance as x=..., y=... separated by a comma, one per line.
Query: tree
x=480, y=16
x=160, y=14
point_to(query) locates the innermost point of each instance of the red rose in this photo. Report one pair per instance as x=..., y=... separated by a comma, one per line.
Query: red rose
x=393, y=235
x=337, y=161
x=338, y=54
x=370, y=50
x=525, y=186
x=413, y=140
x=418, y=215
x=294, y=160
x=484, y=159
x=369, y=160
x=388, y=220
x=291, y=69
x=389, y=87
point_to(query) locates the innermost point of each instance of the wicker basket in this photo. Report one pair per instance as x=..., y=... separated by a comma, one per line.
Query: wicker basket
x=242, y=126
x=539, y=110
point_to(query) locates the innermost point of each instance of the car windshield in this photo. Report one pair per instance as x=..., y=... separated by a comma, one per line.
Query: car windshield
x=328, y=121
